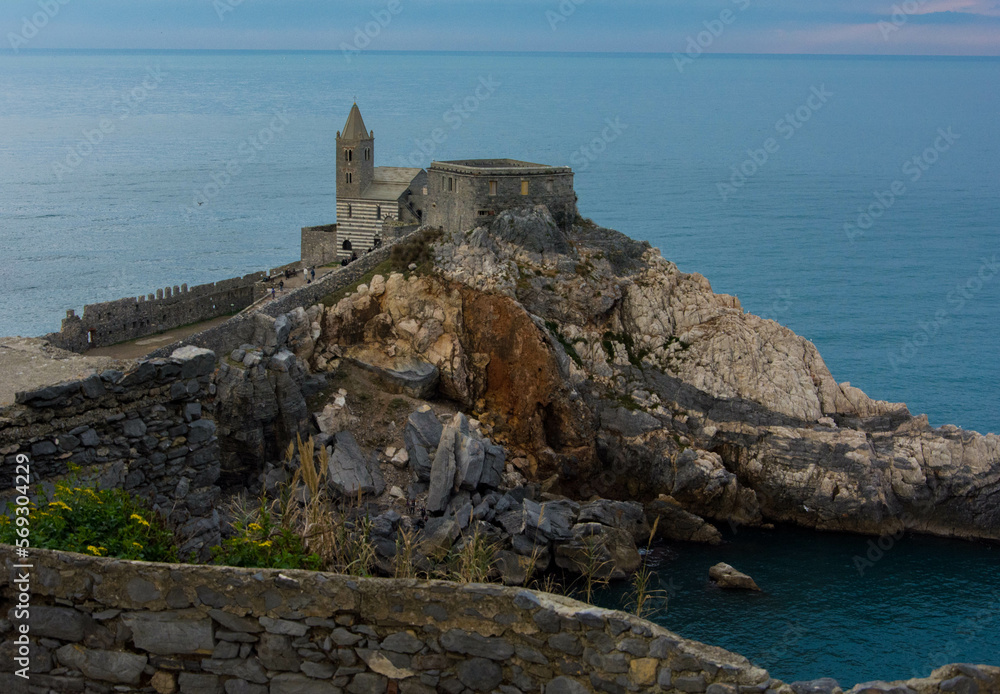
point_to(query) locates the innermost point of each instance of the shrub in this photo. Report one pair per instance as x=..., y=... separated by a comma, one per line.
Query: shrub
x=103, y=523
x=260, y=543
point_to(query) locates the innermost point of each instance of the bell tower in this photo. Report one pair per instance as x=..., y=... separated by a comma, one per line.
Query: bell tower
x=355, y=157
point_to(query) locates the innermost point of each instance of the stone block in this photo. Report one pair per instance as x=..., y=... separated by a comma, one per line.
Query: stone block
x=106, y=666
x=170, y=633
x=195, y=683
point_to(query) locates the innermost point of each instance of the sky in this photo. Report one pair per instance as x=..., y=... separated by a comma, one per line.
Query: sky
x=870, y=27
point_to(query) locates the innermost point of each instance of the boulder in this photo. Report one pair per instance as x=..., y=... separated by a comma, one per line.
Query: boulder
x=445, y=465
x=437, y=537
x=726, y=576
x=351, y=471
x=677, y=524
x=422, y=436
x=625, y=515
x=418, y=379
x=609, y=553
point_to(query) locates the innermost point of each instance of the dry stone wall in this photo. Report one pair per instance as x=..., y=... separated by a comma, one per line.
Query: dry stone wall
x=101, y=625
x=149, y=430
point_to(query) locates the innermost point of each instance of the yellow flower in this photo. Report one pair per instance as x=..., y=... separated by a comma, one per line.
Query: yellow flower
x=265, y=544
x=137, y=545
x=60, y=504
x=96, y=551
x=254, y=526
x=142, y=521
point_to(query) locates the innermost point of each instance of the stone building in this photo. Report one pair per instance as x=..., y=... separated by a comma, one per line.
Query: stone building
x=461, y=195
x=373, y=202
x=369, y=195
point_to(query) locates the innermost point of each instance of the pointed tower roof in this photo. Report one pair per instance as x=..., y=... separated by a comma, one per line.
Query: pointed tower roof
x=355, y=128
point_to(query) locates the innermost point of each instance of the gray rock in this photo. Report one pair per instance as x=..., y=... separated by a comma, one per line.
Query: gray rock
x=238, y=686
x=366, y=683
x=418, y=380
x=444, y=467
x=56, y=623
x=170, y=633
x=438, y=536
x=194, y=683
x=421, y=437
x=107, y=666
x=726, y=576
x=565, y=685
x=675, y=523
x=351, y=470
x=480, y=674
x=820, y=686
x=294, y=683
x=470, y=457
x=402, y=642
x=625, y=515
x=466, y=643
x=607, y=552
x=134, y=428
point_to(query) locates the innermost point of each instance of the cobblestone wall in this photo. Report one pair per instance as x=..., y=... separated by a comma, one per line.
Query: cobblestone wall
x=99, y=624
x=149, y=430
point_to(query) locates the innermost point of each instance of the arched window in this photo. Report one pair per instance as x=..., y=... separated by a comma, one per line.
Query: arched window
x=368, y=153
x=348, y=155
x=378, y=212
x=350, y=210
x=350, y=177
x=347, y=245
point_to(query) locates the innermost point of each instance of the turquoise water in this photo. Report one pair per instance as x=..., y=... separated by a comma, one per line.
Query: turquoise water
x=836, y=605
x=116, y=220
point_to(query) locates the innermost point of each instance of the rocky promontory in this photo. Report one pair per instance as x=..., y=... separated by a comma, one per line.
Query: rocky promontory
x=614, y=374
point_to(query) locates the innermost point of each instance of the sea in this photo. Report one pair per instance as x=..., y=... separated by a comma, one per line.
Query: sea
x=855, y=200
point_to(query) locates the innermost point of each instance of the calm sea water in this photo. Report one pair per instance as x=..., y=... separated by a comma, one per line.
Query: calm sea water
x=907, y=310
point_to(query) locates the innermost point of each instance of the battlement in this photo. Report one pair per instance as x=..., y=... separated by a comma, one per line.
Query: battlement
x=111, y=322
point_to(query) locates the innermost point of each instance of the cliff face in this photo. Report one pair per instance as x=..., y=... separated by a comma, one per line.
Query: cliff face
x=623, y=376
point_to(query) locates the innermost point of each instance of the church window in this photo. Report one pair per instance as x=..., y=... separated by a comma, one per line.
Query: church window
x=347, y=245
x=348, y=155
x=493, y=187
x=524, y=187
x=378, y=212
x=350, y=210
x=451, y=184
x=368, y=153
x=350, y=177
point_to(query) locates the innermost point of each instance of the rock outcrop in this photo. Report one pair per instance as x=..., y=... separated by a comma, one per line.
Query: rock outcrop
x=725, y=576
x=619, y=376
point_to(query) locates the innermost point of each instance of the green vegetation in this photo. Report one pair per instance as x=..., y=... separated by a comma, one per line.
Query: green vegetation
x=262, y=542
x=635, y=356
x=102, y=523
x=417, y=249
x=567, y=345
x=644, y=600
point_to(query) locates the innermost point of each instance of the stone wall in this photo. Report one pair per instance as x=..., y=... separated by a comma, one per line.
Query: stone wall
x=239, y=330
x=470, y=203
x=149, y=430
x=319, y=245
x=127, y=319
x=99, y=623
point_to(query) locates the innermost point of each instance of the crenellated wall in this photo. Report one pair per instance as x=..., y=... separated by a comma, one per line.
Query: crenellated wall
x=100, y=623
x=133, y=317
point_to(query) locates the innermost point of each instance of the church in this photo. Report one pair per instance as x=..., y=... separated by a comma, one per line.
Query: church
x=376, y=203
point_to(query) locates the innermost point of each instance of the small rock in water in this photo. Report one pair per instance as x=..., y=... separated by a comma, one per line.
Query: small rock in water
x=726, y=576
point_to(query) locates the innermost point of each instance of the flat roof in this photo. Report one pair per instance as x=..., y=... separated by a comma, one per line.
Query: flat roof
x=498, y=166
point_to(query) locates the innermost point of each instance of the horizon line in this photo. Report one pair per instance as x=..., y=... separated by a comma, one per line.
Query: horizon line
x=25, y=51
